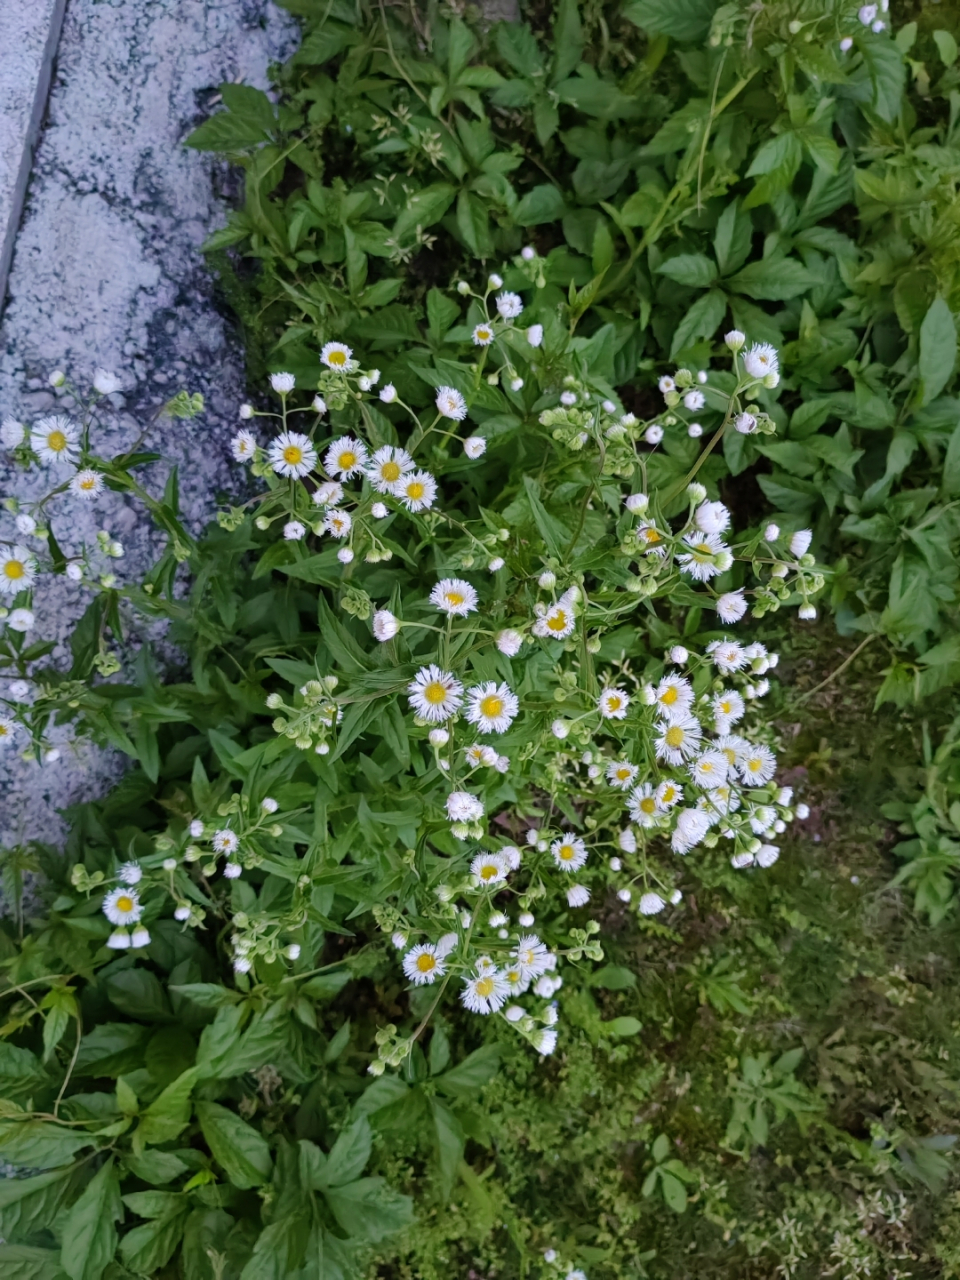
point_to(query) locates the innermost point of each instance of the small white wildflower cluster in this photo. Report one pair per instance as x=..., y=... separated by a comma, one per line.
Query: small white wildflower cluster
x=560, y=1269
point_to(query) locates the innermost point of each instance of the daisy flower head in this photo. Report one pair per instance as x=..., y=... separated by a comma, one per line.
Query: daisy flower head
x=422, y=965
x=55, y=440
x=761, y=359
x=455, y=597
x=733, y=747
x=613, y=703
x=569, y=852
x=479, y=756
x=319, y=405
x=557, y=622
x=385, y=625
x=652, y=536
x=731, y=606
x=12, y=433
x=86, y=483
x=509, y=642
x=338, y=523
x=225, y=841
x=728, y=708
x=678, y=740
x=489, y=869
x=800, y=542
x=21, y=620
x=669, y=793
x=711, y=517
x=578, y=895
x=710, y=769
x=727, y=656
x=475, y=447
x=483, y=335
x=485, y=992
x=243, y=446
x=509, y=305
x=17, y=570
x=666, y=384
x=535, y=335
x=645, y=808
x=336, y=356
x=292, y=454
x=463, y=807
x=294, y=531
x=328, y=494
x=692, y=826
x=620, y=774
x=7, y=729
x=282, y=382
x=757, y=765
x=694, y=400
x=387, y=467
x=130, y=873
x=417, y=491
x=435, y=695
x=651, y=904
x=122, y=906
x=451, y=404
x=532, y=957
x=702, y=560
x=674, y=695
x=492, y=707
x=345, y=458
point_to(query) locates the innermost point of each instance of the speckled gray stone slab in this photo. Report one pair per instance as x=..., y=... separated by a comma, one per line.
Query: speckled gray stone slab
x=107, y=271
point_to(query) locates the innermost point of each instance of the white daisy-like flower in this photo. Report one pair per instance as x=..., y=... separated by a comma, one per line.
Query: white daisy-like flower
x=509, y=642
x=651, y=904
x=489, y=868
x=620, y=774
x=435, y=695
x=338, y=523
x=12, y=433
x=119, y=940
x=557, y=622
x=613, y=704
x=800, y=542
x=727, y=656
x=674, y=695
x=463, y=807
x=422, y=965
x=492, y=707
x=578, y=896
x=710, y=769
x=130, y=873
x=757, y=765
x=485, y=992
x=645, y=808
x=196, y=829
x=291, y=454
x=483, y=334
x=475, y=447
x=8, y=728
x=21, y=620
x=669, y=793
x=479, y=756
x=569, y=852
x=55, y=440
x=731, y=606
x=711, y=517
x=535, y=335
x=294, y=531
x=243, y=446
x=385, y=625
x=767, y=855
x=636, y=503
x=653, y=433
x=532, y=957
x=694, y=400
x=282, y=382
x=509, y=305
x=232, y=870
x=653, y=537
x=692, y=826
x=319, y=406
x=451, y=404
x=388, y=394
x=328, y=494
x=225, y=841
x=337, y=356
x=666, y=384
x=86, y=483
x=745, y=423
x=678, y=740
x=702, y=560
x=761, y=359
x=140, y=937
x=728, y=708
x=387, y=467
x=733, y=747
x=17, y=570
x=416, y=491
x=346, y=458
x=122, y=906
x=455, y=597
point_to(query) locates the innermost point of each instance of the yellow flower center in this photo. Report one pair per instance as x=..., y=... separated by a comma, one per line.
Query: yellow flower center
x=484, y=334
x=651, y=535
x=674, y=736
x=614, y=702
x=754, y=765
x=435, y=693
x=337, y=358
x=415, y=490
x=293, y=454
x=5, y=730
x=730, y=754
x=648, y=804
x=622, y=774
x=703, y=548
x=566, y=852
x=726, y=708
x=426, y=963
x=526, y=957
x=668, y=794
x=453, y=597
x=124, y=903
x=491, y=706
x=706, y=766
x=88, y=482
x=390, y=471
x=347, y=460
x=14, y=569
x=485, y=987
x=56, y=441
x=558, y=622
x=670, y=696
x=489, y=871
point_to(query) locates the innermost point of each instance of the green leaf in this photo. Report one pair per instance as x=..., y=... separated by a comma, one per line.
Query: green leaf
x=149, y=1247
x=624, y=1026
x=686, y=20
x=23, y=1262
x=29, y=1205
x=468, y=1077
x=19, y=1069
x=693, y=269
x=424, y=208
x=518, y=47
x=349, y=1155
x=731, y=240
x=236, y=1146
x=369, y=1209
x=772, y=280
x=567, y=40
x=169, y=1113
x=138, y=993
x=938, y=350
x=155, y=1167
x=554, y=534
x=473, y=224
x=702, y=320
x=885, y=66
x=249, y=120
x=674, y=1192
x=450, y=1143
x=541, y=204
x=946, y=47
x=950, y=479
x=89, y=1233
x=37, y=1144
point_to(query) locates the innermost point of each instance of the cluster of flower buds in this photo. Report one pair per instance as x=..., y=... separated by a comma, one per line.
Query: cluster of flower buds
x=310, y=722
